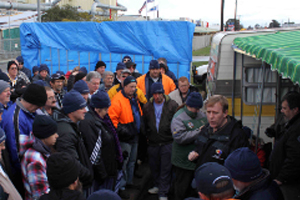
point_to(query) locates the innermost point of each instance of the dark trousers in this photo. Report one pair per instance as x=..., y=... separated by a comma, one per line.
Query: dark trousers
x=290, y=191
x=182, y=184
x=161, y=167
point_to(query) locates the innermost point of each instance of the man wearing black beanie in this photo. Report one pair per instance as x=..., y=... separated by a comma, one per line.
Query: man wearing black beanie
x=33, y=163
x=62, y=173
x=17, y=124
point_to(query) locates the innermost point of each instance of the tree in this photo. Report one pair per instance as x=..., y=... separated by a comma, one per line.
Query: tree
x=274, y=24
x=68, y=13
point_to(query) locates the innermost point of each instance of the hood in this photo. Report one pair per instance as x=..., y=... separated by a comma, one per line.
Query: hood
x=60, y=116
x=167, y=98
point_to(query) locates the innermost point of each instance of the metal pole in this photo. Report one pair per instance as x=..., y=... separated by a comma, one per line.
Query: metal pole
x=233, y=84
x=235, y=11
x=222, y=14
x=39, y=10
x=278, y=95
x=260, y=106
x=242, y=85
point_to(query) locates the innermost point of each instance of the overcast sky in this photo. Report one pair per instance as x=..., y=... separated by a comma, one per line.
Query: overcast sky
x=250, y=12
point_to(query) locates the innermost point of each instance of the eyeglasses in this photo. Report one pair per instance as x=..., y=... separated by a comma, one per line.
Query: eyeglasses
x=124, y=76
x=13, y=68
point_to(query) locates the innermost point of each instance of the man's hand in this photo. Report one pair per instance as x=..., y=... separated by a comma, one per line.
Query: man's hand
x=278, y=182
x=193, y=155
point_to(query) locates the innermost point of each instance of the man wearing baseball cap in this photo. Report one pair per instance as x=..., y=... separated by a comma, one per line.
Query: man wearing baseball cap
x=213, y=182
x=57, y=84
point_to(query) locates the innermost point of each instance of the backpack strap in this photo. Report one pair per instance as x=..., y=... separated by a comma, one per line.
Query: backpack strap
x=16, y=126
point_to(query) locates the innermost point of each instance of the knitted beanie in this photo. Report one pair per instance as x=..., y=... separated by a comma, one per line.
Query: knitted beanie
x=35, y=94
x=194, y=100
x=43, y=126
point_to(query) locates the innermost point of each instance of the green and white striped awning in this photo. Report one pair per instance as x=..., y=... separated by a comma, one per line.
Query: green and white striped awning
x=281, y=50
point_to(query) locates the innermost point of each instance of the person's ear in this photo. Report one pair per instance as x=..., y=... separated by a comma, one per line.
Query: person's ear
x=202, y=196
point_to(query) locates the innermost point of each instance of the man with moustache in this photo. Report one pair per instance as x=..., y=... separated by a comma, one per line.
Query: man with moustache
x=57, y=84
x=285, y=158
x=50, y=104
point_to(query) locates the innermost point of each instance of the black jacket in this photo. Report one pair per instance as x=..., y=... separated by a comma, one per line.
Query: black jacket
x=263, y=188
x=64, y=194
x=93, y=131
x=285, y=158
x=164, y=136
x=215, y=147
x=70, y=141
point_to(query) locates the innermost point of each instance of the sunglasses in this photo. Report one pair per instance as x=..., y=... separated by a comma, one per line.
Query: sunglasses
x=126, y=59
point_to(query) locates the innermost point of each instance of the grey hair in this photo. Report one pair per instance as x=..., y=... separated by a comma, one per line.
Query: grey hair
x=91, y=75
x=107, y=73
x=163, y=60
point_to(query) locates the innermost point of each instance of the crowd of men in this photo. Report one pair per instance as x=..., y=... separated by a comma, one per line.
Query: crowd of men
x=82, y=135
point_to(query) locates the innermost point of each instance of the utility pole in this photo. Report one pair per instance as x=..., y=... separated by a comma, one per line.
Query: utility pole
x=39, y=10
x=235, y=22
x=222, y=14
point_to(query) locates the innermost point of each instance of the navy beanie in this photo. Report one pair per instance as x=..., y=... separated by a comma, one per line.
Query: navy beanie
x=100, y=99
x=129, y=79
x=20, y=59
x=120, y=66
x=243, y=165
x=104, y=194
x=154, y=64
x=194, y=100
x=126, y=57
x=35, y=94
x=81, y=87
x=35, y=69
x=43, y=126
x=73, y=101
x=44, y=67
x=40, y=82
x=83, y=70
x=2, y=135
x=157, y=87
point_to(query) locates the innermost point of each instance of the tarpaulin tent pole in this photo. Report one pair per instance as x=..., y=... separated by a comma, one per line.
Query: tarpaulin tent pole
x=143, y=64
x=78, y=58
x=261, y=102
x=233, y=84
x=58, y=59
x=89, y=61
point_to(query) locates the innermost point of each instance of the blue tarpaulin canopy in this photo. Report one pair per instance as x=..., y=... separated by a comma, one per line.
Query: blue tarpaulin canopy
x=65, y=45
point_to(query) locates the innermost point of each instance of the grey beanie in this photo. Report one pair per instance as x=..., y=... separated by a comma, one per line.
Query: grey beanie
x=3, y=85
